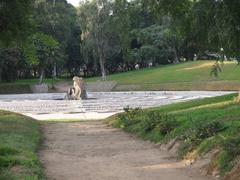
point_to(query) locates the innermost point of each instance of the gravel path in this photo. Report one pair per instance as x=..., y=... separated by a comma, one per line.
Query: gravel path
x=92, y=151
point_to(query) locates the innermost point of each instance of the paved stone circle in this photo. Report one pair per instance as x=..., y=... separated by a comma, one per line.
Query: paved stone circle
x=99, y=105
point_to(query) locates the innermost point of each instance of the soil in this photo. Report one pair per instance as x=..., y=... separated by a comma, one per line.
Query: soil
x=93, y=151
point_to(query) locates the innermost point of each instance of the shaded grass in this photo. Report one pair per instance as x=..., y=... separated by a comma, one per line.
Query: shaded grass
x=19, y=140
x=199, y=126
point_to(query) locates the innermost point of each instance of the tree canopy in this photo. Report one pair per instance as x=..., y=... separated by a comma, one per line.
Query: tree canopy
x=107, y=36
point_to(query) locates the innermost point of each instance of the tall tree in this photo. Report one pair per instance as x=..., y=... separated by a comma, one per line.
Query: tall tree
x=94, y=18
x=15, y=20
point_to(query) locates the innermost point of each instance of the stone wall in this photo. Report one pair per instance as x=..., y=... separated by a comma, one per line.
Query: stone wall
x=13, y=89
x=101, y=86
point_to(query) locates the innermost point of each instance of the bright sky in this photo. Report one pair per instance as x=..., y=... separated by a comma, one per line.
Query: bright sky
x=74, y=2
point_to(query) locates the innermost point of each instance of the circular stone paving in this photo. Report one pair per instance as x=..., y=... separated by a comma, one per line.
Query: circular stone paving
x=99, y=105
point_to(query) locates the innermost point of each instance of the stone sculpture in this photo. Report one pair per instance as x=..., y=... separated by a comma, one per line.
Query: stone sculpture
x=78, y=91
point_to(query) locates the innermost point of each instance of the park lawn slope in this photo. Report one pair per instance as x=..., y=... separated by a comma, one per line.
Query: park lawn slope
x=193, y=75
x=19, y=140
x=184, y=76
x=198, y=127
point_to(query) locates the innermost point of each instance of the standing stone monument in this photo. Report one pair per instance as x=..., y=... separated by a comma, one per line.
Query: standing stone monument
x=78, y=91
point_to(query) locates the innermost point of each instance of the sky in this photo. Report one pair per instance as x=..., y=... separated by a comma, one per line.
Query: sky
x=74, y=2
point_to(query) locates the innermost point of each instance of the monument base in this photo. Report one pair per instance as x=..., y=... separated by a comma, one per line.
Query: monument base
x=39, y=88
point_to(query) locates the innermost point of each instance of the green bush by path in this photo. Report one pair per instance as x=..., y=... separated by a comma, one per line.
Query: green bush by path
x=19, y=140
x=199, y=126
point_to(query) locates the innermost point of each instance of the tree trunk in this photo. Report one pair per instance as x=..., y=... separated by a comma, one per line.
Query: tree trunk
x=54, y=74
x=41, y=76
x=0, y=74
x=54, y=71
x=175, y=57
x=101, y=61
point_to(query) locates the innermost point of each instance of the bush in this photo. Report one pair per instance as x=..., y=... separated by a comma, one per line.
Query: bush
x=232, y=146
x=145, y=122
x=129, y=118
x=203, y=130
x=163, y=122
x=200, y=131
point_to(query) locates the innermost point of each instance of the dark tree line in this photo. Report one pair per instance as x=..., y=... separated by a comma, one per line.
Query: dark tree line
x=99, y=37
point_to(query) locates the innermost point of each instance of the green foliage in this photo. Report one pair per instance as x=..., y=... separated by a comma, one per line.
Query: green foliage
x=202, y=130
x=163, y=123
x=138, y=121
x=130, y=118
x=104, y=36
x=44, y=51
x=15, y=21
x=158, y=43
x=198, y=132
x=10, y=59
x=232, y=146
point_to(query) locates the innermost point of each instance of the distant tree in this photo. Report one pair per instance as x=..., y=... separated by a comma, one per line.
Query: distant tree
x=73, y=50
x=58, y=19
x=43, y=52
x=94, y=19
x=9, y=61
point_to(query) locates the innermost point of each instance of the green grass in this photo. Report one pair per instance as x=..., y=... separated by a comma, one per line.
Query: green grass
x=199, y=126
x=184, y=76
x=19, y=141
x=184, y=72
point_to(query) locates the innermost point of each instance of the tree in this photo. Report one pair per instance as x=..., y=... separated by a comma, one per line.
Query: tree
x=59, y=20
x=96, y=30
x=9, y=61
x=43, y=53
x=73, y=50
x=15, y=22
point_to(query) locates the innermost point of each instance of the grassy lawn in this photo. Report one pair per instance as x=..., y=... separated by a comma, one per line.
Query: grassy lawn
x=199, y=126
x=177, y=76
x=184, y=76
x=19, y=140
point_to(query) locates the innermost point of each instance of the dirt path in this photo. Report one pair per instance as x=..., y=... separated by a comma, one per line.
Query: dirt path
x=92, y=151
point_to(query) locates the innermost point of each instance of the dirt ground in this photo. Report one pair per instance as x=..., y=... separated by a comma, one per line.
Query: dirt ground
x=92, y=151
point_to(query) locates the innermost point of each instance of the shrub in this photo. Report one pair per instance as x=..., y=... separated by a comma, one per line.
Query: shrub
x=203, y=130
x=145, y=122
x=199, y=132
x=232, y=146
x=129, y=118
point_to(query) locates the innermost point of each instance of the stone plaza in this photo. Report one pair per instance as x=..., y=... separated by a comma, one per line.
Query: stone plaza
x=99, y=105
